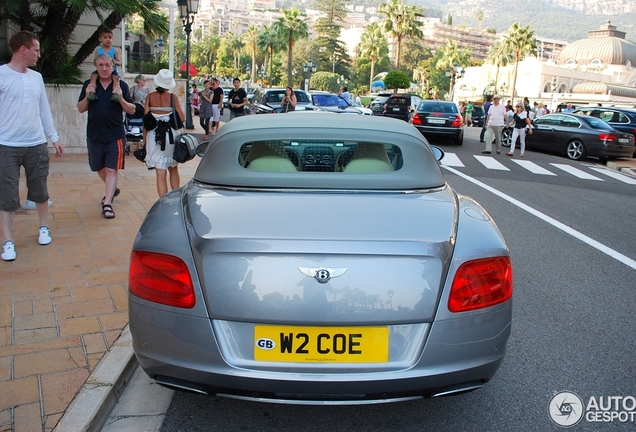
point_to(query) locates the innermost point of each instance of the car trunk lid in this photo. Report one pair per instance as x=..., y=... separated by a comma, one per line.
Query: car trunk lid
x=333, y=258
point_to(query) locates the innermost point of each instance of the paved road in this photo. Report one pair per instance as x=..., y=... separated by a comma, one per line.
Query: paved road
x=569, y=226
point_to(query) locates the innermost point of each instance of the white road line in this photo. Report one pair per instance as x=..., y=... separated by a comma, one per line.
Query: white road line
x=451, y=159
x=533, y=167
x=491, y=163
x=576, y=172
x=555, y=223
x=615, y=175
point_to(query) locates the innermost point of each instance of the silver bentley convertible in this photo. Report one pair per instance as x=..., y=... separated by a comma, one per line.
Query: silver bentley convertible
x=320, y=259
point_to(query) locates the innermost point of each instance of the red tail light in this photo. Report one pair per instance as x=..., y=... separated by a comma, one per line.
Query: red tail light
x=416, y=120
x=481, y=283
x=607, y=137
x=161, y=279
x=458, y=122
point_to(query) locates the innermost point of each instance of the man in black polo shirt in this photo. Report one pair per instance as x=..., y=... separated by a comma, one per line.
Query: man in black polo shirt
x=105, y=131
x=238, y=100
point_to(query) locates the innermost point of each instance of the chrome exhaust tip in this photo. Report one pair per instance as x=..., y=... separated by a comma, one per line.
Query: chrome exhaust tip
x=174, y=384
x=459, y=389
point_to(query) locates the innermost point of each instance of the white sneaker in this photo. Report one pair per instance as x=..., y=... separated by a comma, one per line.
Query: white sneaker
x=44, y=237
x=8, y=251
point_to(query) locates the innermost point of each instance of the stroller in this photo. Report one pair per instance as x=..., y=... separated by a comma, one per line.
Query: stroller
x=134, y=128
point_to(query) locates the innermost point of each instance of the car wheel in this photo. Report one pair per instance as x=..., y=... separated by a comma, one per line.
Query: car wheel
x=506, y=137
x=575, y=150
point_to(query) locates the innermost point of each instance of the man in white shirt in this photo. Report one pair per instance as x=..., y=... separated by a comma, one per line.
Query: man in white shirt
x=25, y=122
x=495, y=123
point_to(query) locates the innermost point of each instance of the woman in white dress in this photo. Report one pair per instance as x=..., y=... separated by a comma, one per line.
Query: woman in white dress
x=160, y=139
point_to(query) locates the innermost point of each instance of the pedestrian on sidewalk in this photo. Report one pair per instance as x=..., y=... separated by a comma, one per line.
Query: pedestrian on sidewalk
x=205, y=108
x=165, y=108
x=495, y=122
x=25, y=122
x=238, y=99
x=217, y=104
x=105, y=130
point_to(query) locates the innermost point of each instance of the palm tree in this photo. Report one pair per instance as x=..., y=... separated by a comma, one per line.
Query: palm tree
x=270, y=41
x=204, y=52
x=480, y=17
x=293, y=27
x=521, y=42
x=373, y=45
x=235, y=45
x=498, y=55
x=451, y=56
x=250, y=39
x=401, y=20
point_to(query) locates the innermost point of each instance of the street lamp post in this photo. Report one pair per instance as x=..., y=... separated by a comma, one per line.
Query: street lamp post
x=309, y=68
x=553, y=87
x=453, y=74
x=187, y=10
x=159, y=46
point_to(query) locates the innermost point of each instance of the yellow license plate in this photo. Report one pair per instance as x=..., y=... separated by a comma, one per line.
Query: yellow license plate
x=321, y=344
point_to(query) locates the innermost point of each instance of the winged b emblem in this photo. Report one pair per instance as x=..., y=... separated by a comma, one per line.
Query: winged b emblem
x=322, y=274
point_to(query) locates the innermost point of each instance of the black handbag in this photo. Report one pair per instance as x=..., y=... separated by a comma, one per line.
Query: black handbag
x=185, y=147
x=140, y=154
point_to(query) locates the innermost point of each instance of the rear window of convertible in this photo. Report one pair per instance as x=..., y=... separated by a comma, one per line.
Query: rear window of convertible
x=320, y=156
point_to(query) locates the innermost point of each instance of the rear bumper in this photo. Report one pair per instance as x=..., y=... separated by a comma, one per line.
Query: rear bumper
x=429, y=131
x=185, y=350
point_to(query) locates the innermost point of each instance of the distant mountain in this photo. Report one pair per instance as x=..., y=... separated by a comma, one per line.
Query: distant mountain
x=566, y=20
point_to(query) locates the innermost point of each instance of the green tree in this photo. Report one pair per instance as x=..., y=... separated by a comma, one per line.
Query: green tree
x=412, y=54
x=293, y=27
x=480, y=17
x=328, y=26
x=327, y=81
x=499, y=55
x=397, y=79
x=373, y=45
x=53, y=22
x=270, y=41
x=250, y=39
x=521, y=42
x=452, y=56
x=401, y=20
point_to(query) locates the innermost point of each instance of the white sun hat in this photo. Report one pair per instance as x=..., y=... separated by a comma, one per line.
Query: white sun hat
x=165, y=80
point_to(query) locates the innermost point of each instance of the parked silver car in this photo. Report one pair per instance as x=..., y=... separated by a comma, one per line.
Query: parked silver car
x=318, y=258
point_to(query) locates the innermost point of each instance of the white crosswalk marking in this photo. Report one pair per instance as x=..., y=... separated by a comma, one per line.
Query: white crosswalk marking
x=491, y=163
x=615, y=175
x=576, y=172
x=451, y=159
x=533, y=167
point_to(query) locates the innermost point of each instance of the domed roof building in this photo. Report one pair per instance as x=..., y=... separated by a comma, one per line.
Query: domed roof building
x=599, y=69
x=603, y=46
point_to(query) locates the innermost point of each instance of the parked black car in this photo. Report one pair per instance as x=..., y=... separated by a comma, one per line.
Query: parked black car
x=400, y=106
x=621, y=119
x=435, y=118
x=377, y=104
x=577, y=136
x=479, y=116
x=268, y=100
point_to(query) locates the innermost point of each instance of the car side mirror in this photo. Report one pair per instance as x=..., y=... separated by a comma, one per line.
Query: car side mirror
x=438, y=153
x=202, y=147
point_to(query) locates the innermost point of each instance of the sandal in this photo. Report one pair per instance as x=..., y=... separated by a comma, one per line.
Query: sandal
x=107, y=211
x=117, y=192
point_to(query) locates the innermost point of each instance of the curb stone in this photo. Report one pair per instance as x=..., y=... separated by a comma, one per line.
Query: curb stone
x=91, y=406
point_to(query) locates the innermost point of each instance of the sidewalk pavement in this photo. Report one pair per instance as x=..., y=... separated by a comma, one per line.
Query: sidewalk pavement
x=65, y=350
x=64, y=306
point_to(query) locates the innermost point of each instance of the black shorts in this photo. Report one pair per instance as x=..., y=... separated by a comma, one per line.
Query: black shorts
x=106, y=154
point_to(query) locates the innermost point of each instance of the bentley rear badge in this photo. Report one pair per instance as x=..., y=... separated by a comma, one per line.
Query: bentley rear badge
x=321, y=274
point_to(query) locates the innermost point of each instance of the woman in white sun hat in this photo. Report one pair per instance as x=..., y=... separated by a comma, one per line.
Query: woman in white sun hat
x=163, y=117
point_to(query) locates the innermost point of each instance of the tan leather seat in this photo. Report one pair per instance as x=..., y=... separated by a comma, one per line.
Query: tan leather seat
x=269, y=157
x=369, y=158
